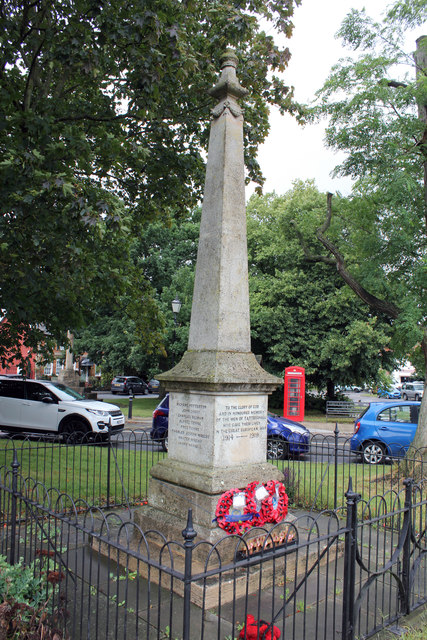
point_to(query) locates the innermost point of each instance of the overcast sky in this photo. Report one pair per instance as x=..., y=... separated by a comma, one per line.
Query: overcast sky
x=290, y=151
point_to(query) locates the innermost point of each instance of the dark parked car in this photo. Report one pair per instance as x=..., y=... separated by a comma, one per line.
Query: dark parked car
x=129, y=384
x=284, y=437
x=384, y=429
x=153, y=385
x=159, y=428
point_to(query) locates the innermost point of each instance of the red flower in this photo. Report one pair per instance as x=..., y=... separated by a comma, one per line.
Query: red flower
x=258, y=630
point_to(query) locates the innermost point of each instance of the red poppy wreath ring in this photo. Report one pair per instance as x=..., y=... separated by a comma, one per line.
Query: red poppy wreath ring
x=225, y=518
x=275, y=506
x=252, y=503
x=240, y=509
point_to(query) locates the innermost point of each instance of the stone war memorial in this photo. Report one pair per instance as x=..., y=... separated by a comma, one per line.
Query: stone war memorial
x=218, y=391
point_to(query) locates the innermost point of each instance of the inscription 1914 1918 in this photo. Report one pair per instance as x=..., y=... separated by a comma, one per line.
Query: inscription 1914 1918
x=240, y=419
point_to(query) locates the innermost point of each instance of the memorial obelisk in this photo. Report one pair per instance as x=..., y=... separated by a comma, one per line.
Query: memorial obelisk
x=218, y=391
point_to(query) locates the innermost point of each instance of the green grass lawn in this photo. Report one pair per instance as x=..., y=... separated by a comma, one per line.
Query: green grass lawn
x=84, y=472
x=141, y=407
x=96, y=474
x=313, y=486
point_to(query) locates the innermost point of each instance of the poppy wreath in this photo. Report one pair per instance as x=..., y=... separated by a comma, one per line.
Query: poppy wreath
x=258, y=518
x=275, y=505
x=259, y=630
x=232, y=524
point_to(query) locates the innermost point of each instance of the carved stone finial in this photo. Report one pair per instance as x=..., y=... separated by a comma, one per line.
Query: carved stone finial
x=229, y=59
x=228, y=86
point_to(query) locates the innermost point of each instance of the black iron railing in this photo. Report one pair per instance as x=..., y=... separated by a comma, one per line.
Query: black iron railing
x=116, y=473
x=342, y=573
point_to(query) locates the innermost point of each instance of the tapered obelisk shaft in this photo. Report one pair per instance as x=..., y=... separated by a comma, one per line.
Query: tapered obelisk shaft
x=220, y=312
x=219, y=345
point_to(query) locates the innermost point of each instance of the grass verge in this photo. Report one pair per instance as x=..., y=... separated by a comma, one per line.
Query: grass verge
x=318, y=485
x=141, y=407
x=97, y=474
x=91, y=472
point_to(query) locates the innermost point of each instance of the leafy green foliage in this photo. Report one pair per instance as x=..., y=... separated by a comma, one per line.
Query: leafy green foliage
x=25, y=594
x=104, y=122
x=301, y=311
x=139, y=335
x=372, y=106
x=376, y=105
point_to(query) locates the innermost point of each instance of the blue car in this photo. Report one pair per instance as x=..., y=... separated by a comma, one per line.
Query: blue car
x=384, y=430
x=392, y=394
x=284, y=437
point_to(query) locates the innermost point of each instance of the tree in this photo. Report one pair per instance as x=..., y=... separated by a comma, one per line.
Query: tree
x=301, y=312
x=164, y=259
x=374, y=114
x=104, y=119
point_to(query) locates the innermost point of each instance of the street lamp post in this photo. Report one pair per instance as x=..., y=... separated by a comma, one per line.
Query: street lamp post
x=176, y=308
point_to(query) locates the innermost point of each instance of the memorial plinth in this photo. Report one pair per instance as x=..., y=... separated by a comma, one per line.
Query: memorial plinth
x=218, y=391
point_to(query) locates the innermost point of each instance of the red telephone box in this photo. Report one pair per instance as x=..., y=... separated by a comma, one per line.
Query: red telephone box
x=294, y=395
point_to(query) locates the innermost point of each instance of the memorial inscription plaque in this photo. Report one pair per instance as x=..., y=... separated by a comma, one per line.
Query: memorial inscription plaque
x=217, y=428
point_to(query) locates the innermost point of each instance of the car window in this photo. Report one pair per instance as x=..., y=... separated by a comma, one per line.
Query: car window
x=37, y=391
x=397, y=414
x=12, y=388
x=65, y=393
x=415, y=413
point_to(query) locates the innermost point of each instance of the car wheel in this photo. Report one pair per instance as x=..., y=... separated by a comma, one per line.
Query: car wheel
x=277, y=449
x=114, y=393
x=404, y=396
x=373, y=453
x=130, y=391
x=74, y=430
x=146, y=391
x=165, y=443
x=417, y=397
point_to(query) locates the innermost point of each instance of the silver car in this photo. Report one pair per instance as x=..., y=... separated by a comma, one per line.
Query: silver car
x=412, y=390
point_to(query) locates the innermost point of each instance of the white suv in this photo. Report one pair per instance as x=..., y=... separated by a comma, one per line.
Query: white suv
x=51, y=407
x=412, y=390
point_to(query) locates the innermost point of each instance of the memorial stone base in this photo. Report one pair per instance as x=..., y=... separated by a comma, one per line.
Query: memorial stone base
x=217, y=442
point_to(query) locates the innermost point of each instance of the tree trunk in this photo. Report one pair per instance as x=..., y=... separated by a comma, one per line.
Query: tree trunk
x=330, y=390
x=420, y=439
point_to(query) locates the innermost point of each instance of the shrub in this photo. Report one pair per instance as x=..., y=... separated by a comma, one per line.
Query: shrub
x=315, y=402
x=25, y=593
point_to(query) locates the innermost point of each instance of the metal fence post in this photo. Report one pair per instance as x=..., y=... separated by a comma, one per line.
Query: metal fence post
x=406, y=555
x=130, y=407
x=15, y=467
x=108, y=466
x=188, y=534
x=336, y=434
x=350, y=548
